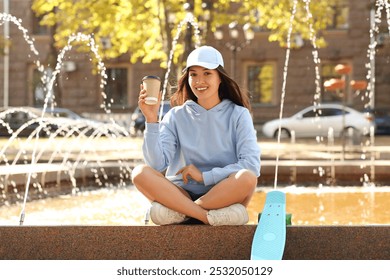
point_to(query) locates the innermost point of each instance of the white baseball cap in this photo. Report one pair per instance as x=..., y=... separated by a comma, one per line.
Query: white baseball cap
x=205, y=56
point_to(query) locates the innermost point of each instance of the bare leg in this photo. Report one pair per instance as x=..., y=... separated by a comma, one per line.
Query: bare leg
x=157, y=188
x=237, y=188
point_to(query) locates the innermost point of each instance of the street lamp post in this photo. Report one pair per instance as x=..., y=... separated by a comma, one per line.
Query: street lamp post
x=235, y=46
x=189, y=8
x=6, y=57
x=341, y=86
x=372, y=57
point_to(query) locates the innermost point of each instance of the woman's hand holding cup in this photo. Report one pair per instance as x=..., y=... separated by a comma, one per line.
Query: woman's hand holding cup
x=150, y=98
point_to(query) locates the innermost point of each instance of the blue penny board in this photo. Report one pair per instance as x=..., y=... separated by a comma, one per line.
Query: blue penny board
x=270, y=235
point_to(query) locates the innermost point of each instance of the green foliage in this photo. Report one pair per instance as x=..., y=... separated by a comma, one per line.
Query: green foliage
x=145, y=28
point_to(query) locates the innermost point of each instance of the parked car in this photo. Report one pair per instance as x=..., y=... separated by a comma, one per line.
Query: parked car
x=63, y=113
x=137, y=125
x=382, y=120
x=64, y=116
x=317, y=120
x=67, y=119
x=24, y=121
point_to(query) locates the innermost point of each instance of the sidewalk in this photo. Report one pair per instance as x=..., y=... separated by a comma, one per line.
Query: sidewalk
x=305, y=162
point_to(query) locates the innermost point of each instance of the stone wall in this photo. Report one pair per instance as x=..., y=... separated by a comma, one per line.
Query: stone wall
x=184, y=242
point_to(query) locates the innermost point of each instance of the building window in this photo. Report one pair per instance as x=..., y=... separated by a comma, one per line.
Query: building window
x=39, y=92
x=260, y=79
x=37, y=28
x=340, y=12
x=116, y=87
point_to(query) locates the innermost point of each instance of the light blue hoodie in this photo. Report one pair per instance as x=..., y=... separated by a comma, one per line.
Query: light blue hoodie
x=219, y=142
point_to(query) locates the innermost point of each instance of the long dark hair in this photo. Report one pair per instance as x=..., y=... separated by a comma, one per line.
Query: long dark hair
x=228, y=89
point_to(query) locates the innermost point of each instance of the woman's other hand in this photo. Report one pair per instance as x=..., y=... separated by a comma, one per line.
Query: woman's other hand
x=190, y=171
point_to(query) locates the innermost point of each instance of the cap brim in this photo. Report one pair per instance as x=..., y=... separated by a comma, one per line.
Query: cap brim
x=203, y=64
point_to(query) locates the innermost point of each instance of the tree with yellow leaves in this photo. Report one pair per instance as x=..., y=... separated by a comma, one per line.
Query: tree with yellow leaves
x=145, y=28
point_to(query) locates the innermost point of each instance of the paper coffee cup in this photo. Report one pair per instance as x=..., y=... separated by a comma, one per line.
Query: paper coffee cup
x=152, y=86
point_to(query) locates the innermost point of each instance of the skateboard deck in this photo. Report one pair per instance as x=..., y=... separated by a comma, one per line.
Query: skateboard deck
x=270, y=235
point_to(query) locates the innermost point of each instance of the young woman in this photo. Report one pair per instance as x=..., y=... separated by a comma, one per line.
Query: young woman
x=202, y=160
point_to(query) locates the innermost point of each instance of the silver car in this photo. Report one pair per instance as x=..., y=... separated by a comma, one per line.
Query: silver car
x=318, y=120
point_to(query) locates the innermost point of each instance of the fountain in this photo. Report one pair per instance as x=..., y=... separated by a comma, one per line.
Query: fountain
x=89, y=242
x=66, y=160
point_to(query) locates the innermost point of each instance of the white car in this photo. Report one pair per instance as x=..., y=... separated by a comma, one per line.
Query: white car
x=318, y=120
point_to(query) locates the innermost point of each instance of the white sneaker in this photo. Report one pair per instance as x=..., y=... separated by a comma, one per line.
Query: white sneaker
x=233, y=215
x=162, y=215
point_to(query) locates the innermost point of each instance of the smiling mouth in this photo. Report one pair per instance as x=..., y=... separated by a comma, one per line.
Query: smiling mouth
x=201, y=88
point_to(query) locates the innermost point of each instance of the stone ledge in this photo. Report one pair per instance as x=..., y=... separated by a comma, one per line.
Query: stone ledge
x=186, y=242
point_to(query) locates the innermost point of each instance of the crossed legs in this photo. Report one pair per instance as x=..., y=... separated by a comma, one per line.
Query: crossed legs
x=237, y=188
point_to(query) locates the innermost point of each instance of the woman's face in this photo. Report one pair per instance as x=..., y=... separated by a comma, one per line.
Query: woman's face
x=204, y=83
